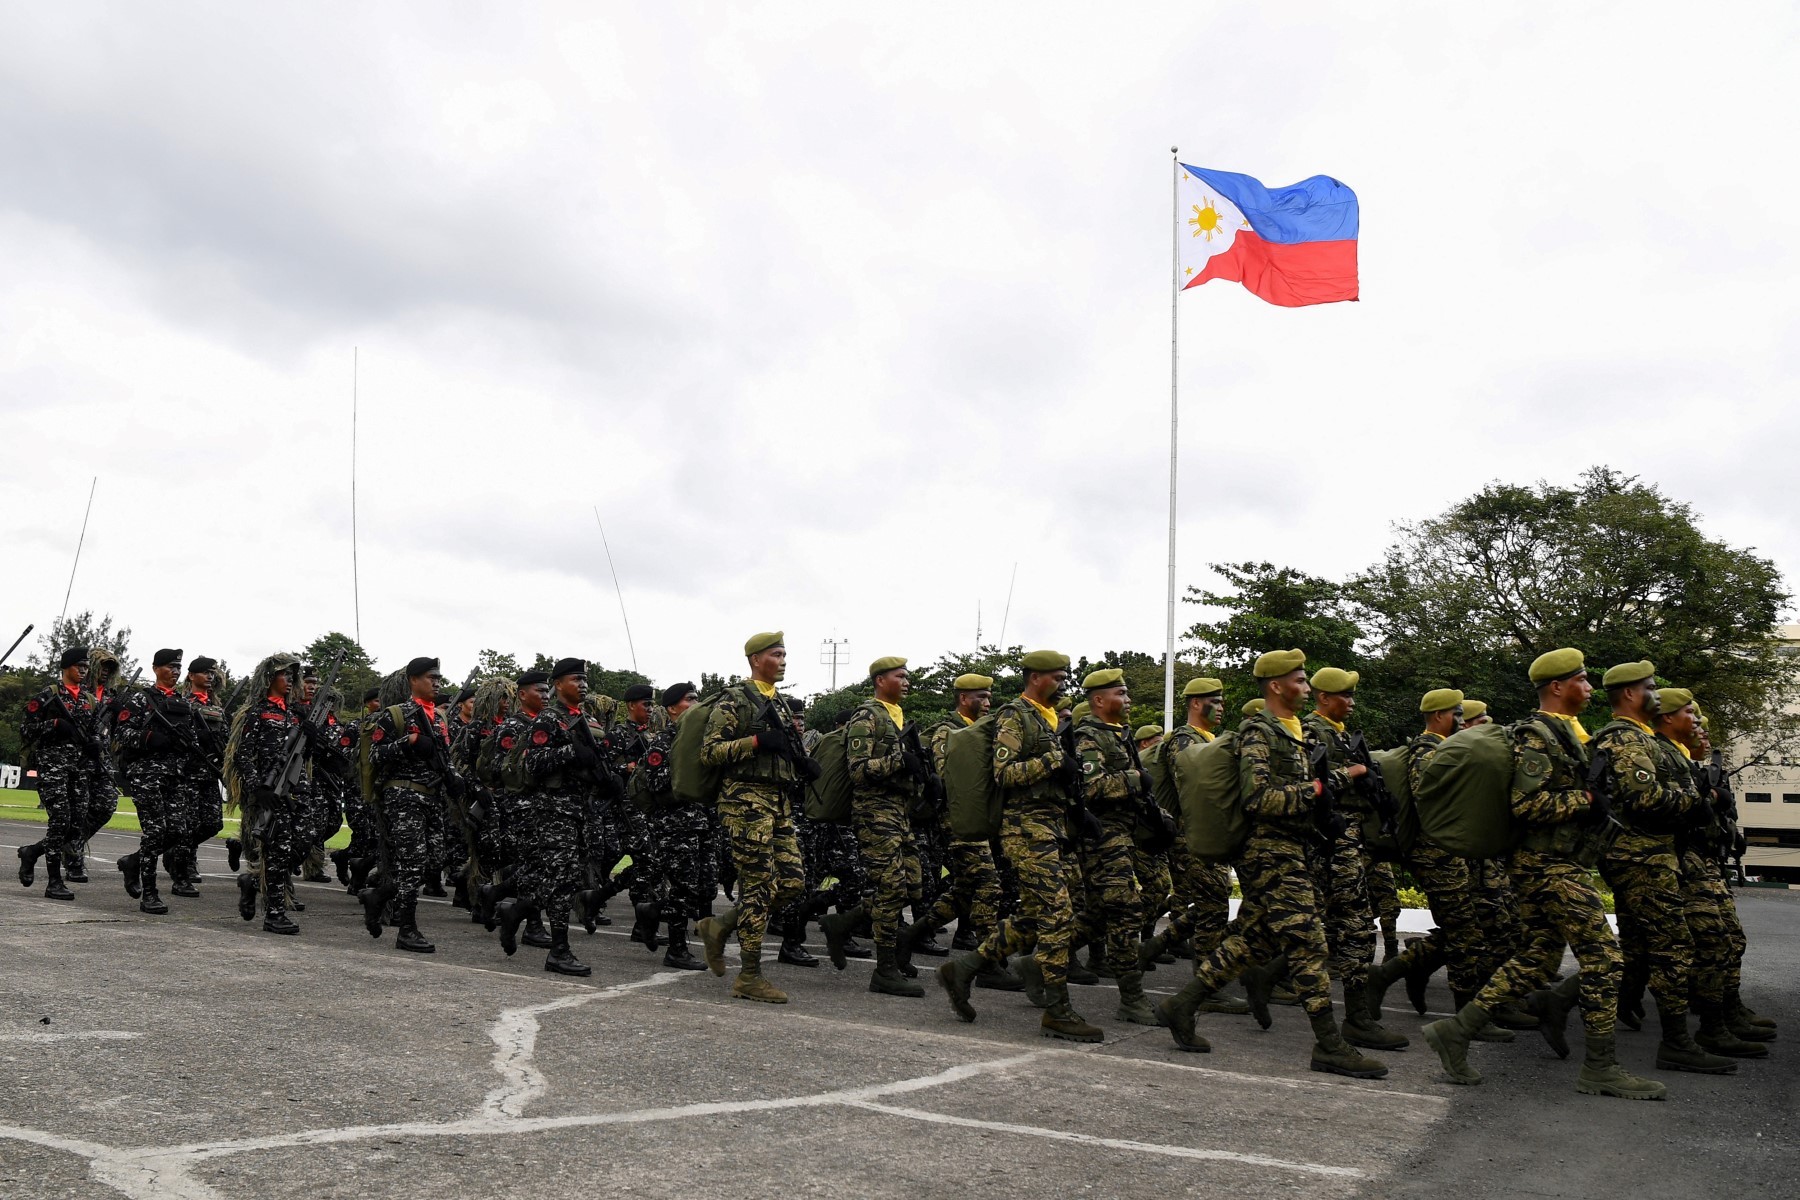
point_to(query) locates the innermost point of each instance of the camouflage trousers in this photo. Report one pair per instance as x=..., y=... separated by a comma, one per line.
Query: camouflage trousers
x=409, y=817
x=637, y=841
x=766, y=854
x=973, y=893
x=155, y=784
x=1712, y=920
x=1117, y=899
x=1155, y=880
x=365, y=833
x=685, y=868
x=1045, y=921
x=1559, y=905
x=63, y=791
x=1203, y=922
x=102, y=803
x=1445, y=880
x=1343, y=891
x=831, y=852
x=1009, y=879
x=1496, y=912
x=1279, y=915
x=889, y=858
x=932, y=849
x=1384, y=897
x=318, y=819
x=555, y=853
x=1653, y=927
x=202, y=815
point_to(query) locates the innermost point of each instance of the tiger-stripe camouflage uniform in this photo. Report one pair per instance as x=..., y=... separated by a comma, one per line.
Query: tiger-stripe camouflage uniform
x=882, y=796
x=59, y=729
x=1560, y=832
x=1113, y=788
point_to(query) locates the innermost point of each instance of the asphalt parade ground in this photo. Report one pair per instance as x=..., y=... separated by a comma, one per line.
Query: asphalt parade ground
x=193, y=1056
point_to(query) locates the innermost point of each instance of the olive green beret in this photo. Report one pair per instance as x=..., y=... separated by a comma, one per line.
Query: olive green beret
x=1045, y=660
x=1079, y=712
x=1063, y=703
x=972, y=683
x=1108, y=677
x=890, y=663
x=1673, y=700
x=1627, y=673
x=1279, y=662
x=762, y=641
x=1203, y=687
x=1473, y=708
x=1556, y=664
x=1335, y=679
x=1440, y=700
x=1253, y=707
x=1147, y=731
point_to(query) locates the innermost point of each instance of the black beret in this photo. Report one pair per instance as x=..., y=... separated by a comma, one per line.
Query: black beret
x=467, y=693
x=309, y=671
x=74, y=656
x=673, y=694
x=373, y=693
x=530, y=678
x=568, y=666
x=166, y=658
x=421, y=666
x=637, y=692
x=203, y=664
x=796, y=704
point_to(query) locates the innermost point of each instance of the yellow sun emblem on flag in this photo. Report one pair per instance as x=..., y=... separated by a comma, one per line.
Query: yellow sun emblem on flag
x=1207, y=220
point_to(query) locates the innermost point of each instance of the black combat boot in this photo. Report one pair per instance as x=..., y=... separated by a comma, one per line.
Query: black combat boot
x=1097, y=962
x=561, y=960
x=360, y=869
x=1077, y=972
x=409, y=938
x=680, y=957
x=887, y=979
x=374, y=903
x=1677, y=1051
x=648, y=921
x=966, y=938
x=75, y=865
x=275, y=918
x=54, y=889
x=535, y=935
x=793, y=947
x=234, y=853
x=434, y=884
x=180, y=865
x=247, y=896
x=507, y=915
x=190, y=868
x=128, y=867
x=459, y=895
x=28, y=856
x=837, y=928
x=340, y=865
x=150, y=902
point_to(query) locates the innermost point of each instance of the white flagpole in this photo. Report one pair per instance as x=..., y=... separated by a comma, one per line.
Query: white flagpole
x=1174, y=425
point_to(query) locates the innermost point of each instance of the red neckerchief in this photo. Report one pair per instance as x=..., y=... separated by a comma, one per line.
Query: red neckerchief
x=165, y=691
x=201, y=697
x=278, y=702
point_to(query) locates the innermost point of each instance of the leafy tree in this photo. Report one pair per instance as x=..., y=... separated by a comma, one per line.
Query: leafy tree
x=356, y=675
x=493, y=662
x=82, y=630
x=712, y=684
x=610, y=682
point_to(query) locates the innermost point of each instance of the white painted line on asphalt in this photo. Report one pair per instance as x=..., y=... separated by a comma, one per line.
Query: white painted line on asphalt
x=1088, y=1139
x=96, y=1035
x=1336, y=1083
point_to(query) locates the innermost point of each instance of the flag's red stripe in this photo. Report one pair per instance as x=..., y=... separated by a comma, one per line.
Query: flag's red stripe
x=1290, y=274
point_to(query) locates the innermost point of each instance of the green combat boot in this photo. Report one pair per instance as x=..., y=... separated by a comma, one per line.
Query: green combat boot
x=1551, y=1006
x=1259, y=984
x=1176, y=1014
x=713, y=931
x=1097, y=961
x=1219, y=1002
x=999, y=977
x=1511, y=1016
x=1079, y=973
x=750, y=984
x=1489, y=1032
x=1381, y=977
x=1360, y=1029
x=1451, y=1037
x=1677, y=1051
x=956, y=976
x=1032, y=976
x=1062, y=1021
x=1601, y=1075
x=1134, y=1007
x=1150, y=950
x=1746, y=1024
x=887, y=979
x=1714, y=1034
x=1333, y=1054
x=838, y=929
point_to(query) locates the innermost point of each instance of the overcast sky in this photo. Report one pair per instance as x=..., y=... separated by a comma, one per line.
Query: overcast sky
x=836, y=314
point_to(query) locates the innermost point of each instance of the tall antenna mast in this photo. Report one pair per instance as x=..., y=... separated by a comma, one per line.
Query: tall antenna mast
x=1008, y=613
x=355, y=567
x=67, y=592
x=616, y=588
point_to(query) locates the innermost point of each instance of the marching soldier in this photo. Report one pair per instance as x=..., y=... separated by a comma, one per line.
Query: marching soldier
x=681, y=833
x=256, y=754
x=153, y=734
x=199, y=813
x=60, y=731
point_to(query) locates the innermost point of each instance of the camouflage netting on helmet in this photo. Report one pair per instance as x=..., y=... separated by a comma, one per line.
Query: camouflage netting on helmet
x=493, y=698
x=395, y=689
x=238, y=790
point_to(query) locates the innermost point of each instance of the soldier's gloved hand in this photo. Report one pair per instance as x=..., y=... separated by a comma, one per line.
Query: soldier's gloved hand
x=584, y=754
x=156, y=740
x=774, y=742
x=808, y=768
x=915, y=765
x=1088, y=826
x=1599, y=811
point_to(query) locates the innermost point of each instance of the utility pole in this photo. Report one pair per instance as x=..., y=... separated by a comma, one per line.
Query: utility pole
x=834, y=652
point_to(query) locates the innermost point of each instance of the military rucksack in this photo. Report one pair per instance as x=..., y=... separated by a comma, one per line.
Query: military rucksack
x=1162, y=782
x=1464, y=801
x=828, y=797
x=971, y=795
x=366, y=775
x=1211, y=798
x=692, y=780
x=1393, y=766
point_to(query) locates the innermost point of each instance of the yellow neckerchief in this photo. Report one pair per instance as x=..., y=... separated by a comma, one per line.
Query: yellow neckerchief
x=1203, y=733
x=767, y=689
x=1328, y=721
x=1640, y=725
x=1049, y=714
x=893, y=710
x=1428, y=733
x=1582, y=736
x=1685, y=752
x=1292, y=725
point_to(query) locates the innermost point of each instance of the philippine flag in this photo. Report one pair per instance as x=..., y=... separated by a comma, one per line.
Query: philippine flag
x=1290, y=245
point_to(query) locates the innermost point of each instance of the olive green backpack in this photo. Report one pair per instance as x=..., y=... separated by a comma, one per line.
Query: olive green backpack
x=1393, y=767
x=1162, y=782
x=692, y=780
x=828, y=797
x=973, y=797
x=1464, y=802
x=1211, y=798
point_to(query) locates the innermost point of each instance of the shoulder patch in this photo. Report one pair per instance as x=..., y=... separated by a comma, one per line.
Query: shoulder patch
x=31, y=706
x=124, y=714
x=539, y=737
x=375, y=734
x=506, y=743
x=1642, y=776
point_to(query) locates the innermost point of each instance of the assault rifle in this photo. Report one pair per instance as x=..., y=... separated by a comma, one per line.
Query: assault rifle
x=919, y=764
x=781, y=741
x=1085, y=824
x=290, y=767
x=185, y=738
x=1718, y=779
x=600, y=770
x=1599, y=789
x=1328, y=823
x=15, y=645
x=1159, y=828
x=88, y=743
x=1372, y=786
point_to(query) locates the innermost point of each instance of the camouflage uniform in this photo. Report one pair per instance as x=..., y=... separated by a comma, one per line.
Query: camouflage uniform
x=484, y=843
x=1384, y=897
x=1340, y=877
x=684, y=871
x=511, y=817
x=561, y=794
x=63, y=750
x=411, y=789
x=881, y=814
x=322, y=815
x=198, y=814
x=1111, y=787
x=1653, y=795
x=1201, y=909
x=1552, y=872
x=259, y=755
x=629, y=743
x=154, y=762
x=103, y=787
x=754, y=808
x=1456, y=939
x=973, y=891
x=1706, y=844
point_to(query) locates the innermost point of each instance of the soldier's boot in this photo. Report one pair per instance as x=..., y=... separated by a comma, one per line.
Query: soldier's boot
x=1551, y=1007
x=28, y=857
x=713, y=931
x=1632, y=982
x=409, y=938
x=234, y=853
x=1390, y=939
x=956, y=977
x=584, y=906
x=1032, y=976
x=1601, y=1075
x=292, y=901
x=128, y=867
x=855, y=949
x=433, y=884
x=1488, y=1032
x=999, y=977
x=459, y=895
x=1716, y=1037
x=1331, y=1053
x=150, y=902
x=562, y=961
x=678, y=955
x=181, y=873
x=1677, y=1051
x=646, y=921
x=1259, y=985
x=1418, y=975
x=1096, y=961
x=1152, y=948
x=1176, y=1014
x=1451, y=1037
x=75, y=865
x=508, y=915
x=837, y=928
x=1745, y=1023
x=1079, y=973
x=887, y=979
x=190, y=864
x=535, y=935
x=246, y=885
x=276, y=920
x=927, y=942
x=486, y=896
x=966, y=938
x=1282, y=992
x=1360, y=1029
x=1382, y=976
x=1060, y=1020
x=1223, y=1004
x=374, y=904
x=1134, y=1007
x=340, y=863
x=1511, y=1016
x=54, y=888
x=750, y=984
x=793, y=950
x=1163, y=955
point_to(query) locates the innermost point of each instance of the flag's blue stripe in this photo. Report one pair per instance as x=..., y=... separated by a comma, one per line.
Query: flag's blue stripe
x=1319, y=209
